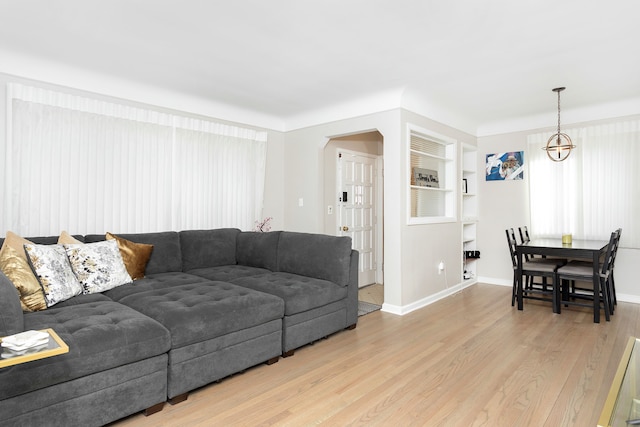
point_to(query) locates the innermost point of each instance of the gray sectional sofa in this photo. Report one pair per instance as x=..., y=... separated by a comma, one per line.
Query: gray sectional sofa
x=212, y=303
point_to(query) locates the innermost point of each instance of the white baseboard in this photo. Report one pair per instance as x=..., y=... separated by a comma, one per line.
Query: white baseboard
x=634, y=299
x=495, y=281
x=402, y=310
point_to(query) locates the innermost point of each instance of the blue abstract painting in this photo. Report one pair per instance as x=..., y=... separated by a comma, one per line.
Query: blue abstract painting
x=505, y=166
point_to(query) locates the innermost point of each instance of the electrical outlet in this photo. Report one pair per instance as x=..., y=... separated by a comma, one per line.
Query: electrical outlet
x=441, y=267
x=330, y=210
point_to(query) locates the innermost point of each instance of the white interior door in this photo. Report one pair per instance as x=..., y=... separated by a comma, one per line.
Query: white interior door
x=356, y=180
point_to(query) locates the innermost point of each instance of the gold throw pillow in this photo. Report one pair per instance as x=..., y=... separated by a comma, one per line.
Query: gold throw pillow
x=67, y=239
x=135, y=255
x=15, y=266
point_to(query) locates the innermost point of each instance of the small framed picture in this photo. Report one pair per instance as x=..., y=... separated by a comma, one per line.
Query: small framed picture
x=464, y=185
x=425, y=178
x=505, y=166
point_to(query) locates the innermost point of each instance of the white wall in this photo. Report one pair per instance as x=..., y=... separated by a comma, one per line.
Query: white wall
x=502, y=205
x=274, y=181
x=425, y=245
x=506, y=204
x=304, y=179
x=411, y=253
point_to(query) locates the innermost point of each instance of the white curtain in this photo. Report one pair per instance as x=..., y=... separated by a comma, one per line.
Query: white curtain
x=90, y=166
x=592, y=193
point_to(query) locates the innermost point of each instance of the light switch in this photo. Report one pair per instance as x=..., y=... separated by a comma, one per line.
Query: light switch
x=301, y=202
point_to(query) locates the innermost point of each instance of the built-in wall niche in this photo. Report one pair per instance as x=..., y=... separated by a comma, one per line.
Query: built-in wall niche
x=469, y=213
x=432, y=176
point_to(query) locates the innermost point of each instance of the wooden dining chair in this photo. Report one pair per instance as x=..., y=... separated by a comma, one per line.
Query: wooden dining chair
x=610, y=285
x=531, y=290
x=524, y=238
x=568, y=293
x=613, y=263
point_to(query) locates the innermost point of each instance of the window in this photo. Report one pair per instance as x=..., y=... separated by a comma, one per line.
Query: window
x=88, y=166
x=595, y=190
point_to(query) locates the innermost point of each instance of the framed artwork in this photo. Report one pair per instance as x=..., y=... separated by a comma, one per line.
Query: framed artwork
x=425, y=178
x=505, y=166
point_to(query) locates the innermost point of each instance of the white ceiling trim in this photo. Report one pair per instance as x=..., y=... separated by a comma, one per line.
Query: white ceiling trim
x=54, y=73
x=609, y=110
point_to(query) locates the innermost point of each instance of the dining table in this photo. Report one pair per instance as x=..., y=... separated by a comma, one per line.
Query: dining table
x=588, y=250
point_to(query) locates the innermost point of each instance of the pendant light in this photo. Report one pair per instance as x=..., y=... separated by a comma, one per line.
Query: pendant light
x=559, y=146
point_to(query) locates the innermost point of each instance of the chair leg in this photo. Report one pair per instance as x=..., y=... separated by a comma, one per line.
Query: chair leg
x=612, y=293
x=605, y=300
x=610, y=296
x=565, y=291
x=556, y=295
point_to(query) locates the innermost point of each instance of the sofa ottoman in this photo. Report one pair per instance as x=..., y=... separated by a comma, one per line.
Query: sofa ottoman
x=216, y=328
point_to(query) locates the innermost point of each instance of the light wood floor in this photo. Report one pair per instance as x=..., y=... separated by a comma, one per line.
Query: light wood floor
x=468, y=360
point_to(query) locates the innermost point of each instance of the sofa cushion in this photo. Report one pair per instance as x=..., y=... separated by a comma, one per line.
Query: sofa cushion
x=67, y=239
x=226, y=273
x=166, y=249
x=152, y=282
x=300, y=293
x=83, y=299
x=135, y=255
x=258, y=249
x=51, y=266
x=98, y=266
x=15, y=266
x=101, y=335
x=208, y=248
x=201, y=311
x=315, y=255
x=11, y=318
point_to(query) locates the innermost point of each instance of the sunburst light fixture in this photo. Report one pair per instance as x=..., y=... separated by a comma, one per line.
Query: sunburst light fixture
x=559, y=146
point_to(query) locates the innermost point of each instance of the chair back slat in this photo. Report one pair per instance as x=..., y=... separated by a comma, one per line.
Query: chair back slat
x=511, y=240
x=524, y=238
x=616, y=246
x=524, y=234
x=608, y=259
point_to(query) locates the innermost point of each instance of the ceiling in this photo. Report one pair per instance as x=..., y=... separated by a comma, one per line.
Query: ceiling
x=465, y=62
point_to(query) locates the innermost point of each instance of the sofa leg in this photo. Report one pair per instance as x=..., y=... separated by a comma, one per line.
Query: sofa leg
x=288, y=353
x=153, y=409
x=179, y=398
x=273, y=360
x=351, y=327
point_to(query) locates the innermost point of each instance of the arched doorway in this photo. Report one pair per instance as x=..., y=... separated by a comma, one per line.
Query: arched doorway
x=353, y=199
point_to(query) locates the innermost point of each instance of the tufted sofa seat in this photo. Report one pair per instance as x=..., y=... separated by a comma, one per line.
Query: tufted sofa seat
x=200, y=313
x=110, y=335
x=212, y=303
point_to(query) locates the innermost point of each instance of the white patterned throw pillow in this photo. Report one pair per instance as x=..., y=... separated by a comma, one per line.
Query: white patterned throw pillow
x=98, y=266
x=51, y=266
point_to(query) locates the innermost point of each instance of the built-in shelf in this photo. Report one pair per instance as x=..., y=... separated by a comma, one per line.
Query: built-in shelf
x=469, y=212
x=432, y=164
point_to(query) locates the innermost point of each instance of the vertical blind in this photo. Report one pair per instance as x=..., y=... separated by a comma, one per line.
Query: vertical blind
x=592, y=193
x=89, y=166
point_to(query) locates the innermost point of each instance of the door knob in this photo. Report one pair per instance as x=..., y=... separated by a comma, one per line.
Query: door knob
x=345, y=228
